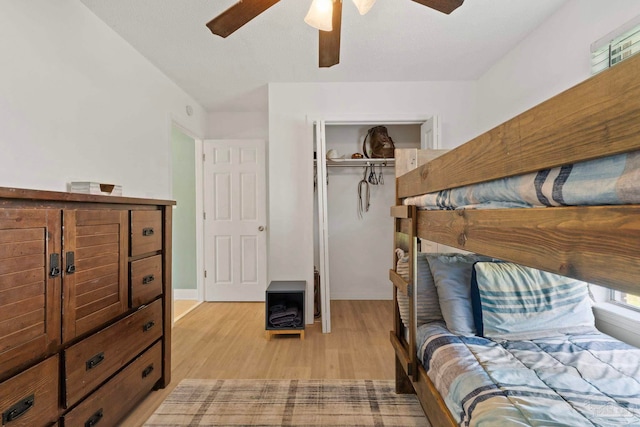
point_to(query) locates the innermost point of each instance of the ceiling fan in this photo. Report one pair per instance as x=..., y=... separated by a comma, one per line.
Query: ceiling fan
x=326, y=15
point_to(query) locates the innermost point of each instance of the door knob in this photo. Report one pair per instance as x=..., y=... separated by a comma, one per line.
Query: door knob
x=261, y=228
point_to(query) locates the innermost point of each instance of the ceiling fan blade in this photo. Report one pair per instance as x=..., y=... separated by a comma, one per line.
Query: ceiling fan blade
x=237, y=15
x=444, y=6
x=330, y=40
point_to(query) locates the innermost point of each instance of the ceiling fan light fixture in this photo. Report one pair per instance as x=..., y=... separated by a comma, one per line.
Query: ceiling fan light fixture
x=363, y=5
x=320, y=15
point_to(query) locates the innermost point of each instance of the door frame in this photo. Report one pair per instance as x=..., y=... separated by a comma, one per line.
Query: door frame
x=199, y=209
x=320, y=141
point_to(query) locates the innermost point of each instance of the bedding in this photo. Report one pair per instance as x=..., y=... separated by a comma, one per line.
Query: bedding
x=612, y=180
x=452, y=277
x=569, y=380
x=511, y=301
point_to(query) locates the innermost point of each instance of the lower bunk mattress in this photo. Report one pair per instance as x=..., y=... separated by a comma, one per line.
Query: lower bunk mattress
x=572, y=380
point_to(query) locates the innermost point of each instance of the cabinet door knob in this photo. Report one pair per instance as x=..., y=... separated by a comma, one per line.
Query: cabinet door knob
x=261, y=228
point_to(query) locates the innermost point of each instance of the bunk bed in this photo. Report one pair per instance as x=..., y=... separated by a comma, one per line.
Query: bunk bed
x=598, y=118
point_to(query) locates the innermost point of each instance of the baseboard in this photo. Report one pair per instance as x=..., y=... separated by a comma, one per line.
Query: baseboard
x=185, y=294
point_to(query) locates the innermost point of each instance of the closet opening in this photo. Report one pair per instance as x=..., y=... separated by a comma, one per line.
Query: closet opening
x=352, y=201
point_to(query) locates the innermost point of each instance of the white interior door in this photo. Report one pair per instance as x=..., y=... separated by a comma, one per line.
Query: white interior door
x=235, y=244
x=323, y=226
x=430, y=134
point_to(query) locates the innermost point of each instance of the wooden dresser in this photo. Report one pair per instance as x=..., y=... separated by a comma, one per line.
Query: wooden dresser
x=85, y=306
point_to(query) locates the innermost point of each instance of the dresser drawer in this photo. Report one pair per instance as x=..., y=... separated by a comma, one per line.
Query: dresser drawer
x=31, y=397
x=146, y=280
x=146, y=232
x=111, y=402
x=97, y=357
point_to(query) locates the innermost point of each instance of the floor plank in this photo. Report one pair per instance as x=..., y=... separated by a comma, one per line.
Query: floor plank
x=228, y=340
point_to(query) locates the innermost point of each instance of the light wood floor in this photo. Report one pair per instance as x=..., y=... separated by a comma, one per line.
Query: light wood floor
x=228, y=340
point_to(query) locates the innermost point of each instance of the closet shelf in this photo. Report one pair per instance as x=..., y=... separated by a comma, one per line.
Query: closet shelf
x=359, y=162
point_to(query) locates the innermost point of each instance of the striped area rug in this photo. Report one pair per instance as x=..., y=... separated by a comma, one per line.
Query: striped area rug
x=288, y=403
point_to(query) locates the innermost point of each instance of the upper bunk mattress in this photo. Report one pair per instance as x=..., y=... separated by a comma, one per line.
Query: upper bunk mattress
x=612, y=180
x=573, y=380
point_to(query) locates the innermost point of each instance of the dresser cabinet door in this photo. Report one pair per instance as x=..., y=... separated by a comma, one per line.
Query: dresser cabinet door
x=95, y=277
x=29, y=289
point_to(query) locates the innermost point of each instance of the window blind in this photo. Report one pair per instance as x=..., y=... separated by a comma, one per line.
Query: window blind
x=616, y=47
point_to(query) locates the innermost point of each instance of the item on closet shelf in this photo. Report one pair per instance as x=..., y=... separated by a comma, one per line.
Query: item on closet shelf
x=380, y=144
x=333, y=155
x=357, y=156
x=95, y=188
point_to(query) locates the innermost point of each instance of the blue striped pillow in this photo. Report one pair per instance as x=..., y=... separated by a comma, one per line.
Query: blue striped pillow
x=514, y=302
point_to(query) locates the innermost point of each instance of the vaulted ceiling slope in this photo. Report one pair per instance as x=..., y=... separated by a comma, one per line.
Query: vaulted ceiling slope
x=398, y=40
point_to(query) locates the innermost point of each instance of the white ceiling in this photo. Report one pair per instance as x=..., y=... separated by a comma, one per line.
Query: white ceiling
x=398, y=40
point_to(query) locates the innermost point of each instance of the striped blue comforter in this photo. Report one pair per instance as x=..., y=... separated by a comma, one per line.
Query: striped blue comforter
x=575, y=380
x=612, y=180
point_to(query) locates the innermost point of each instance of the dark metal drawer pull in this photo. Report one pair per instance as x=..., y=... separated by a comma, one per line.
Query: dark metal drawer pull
x=71, y=265
x=147, y=371
x=148, y=279
x=54, y=265
x=18, y=410
x=147, y=231
x=94, y=419
x=95, y=361
x=150, y=324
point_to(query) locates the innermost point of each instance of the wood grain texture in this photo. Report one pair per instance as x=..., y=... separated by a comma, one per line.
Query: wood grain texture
x=98, y=290
x=226, y=340
x=444, y=6
x=598, y=117
x=29, y=297
x=117, y=343
x=146, y=232
x=238, y=15
x=432, y=403
x=329, y=45
x=58, y=196
x=146, y=280
x=400, y=284
x=167, y=292
x=41, y=381
x=116, y=398
x=596, y=244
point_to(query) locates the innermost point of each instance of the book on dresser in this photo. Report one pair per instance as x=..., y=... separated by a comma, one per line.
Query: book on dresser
x=85, y=306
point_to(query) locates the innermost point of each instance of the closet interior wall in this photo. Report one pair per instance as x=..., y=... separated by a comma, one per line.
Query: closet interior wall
x=358, y=251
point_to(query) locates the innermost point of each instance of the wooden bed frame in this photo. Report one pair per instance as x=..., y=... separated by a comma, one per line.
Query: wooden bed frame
x=597, y=244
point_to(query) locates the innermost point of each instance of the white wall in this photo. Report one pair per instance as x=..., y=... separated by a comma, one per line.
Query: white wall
x=237, y=125
x=552, y=58
x=77, y=103
x=291, y=150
